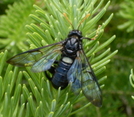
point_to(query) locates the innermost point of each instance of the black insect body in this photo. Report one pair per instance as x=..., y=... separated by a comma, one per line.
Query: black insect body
x=69, y=52
x=72, y=68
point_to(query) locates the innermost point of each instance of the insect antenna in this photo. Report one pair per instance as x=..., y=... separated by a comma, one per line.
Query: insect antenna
x=65, y=15
x=83, y=20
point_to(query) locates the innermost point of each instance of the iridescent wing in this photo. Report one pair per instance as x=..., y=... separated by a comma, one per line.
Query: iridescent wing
x=41, y=59
x=81, y=76
x=74, y=76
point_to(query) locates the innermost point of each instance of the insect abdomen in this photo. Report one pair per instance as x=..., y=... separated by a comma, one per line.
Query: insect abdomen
x=60, y=77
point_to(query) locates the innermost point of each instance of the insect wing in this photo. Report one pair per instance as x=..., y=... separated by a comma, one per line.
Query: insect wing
x=46, y=61
x=81, y=76
x=74, y=76
x=40, y=59
x=89, y=83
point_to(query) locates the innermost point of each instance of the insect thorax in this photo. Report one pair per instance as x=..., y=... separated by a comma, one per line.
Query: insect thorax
x=73, y=43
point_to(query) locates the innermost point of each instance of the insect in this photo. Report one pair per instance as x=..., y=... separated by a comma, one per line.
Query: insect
x=72, y=67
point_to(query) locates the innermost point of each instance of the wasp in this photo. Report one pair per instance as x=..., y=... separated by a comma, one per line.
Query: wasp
x=72, y=67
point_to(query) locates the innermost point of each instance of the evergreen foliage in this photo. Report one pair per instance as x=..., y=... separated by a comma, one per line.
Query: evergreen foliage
x=131, y=78
x=127, y=13
x=12, y=25
x=28, y=24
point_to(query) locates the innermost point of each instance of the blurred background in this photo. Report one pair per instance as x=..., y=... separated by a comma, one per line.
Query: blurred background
x=117, y=101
